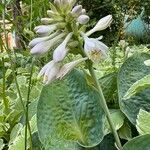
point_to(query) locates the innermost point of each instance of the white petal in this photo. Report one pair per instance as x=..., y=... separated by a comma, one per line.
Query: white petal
x=51, y=74
x=43, y=70
x=68, y=67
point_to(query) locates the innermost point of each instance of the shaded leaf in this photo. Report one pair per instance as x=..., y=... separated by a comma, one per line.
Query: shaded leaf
x=138, y=143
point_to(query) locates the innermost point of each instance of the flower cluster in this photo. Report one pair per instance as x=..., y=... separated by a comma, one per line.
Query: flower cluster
x=64, y=31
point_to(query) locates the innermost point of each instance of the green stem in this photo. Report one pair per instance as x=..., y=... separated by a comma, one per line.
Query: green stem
x=31, y=14
x=27, y=109
x=105, y=107
x=6, y=106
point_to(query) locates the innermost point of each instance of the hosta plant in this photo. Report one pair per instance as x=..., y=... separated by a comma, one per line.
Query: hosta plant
x=72, y=111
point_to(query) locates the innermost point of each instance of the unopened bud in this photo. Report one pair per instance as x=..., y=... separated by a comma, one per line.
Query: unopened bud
x=77, y=10
x=83, y=11
x=83, y=19
x=47, y=21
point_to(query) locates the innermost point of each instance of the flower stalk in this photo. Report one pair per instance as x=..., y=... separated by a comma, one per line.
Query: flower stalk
x=104, y=105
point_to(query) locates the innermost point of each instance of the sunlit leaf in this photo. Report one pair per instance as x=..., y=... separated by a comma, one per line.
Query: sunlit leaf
x=143, y=122
x=138, y=86
x=131, y=71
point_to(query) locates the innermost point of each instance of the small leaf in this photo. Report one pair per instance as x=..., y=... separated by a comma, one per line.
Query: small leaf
x=125, y=131
x=143, y=122
x=138, y=143
x=117, y=118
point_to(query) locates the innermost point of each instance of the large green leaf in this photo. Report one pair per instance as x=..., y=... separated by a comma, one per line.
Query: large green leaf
x=70, y=109
x=143, y=122
x=131, y=71
x=138, y=86
x=138, y=143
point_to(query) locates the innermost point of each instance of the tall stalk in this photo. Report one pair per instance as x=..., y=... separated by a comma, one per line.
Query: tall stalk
x=27, y=108
x=104, y=105
x=102, y=98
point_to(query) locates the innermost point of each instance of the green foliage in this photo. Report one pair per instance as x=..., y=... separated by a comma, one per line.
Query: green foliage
x=138, y=86
x=133, y=70
x=70, y=109
x=138, y=143
x=143, y=122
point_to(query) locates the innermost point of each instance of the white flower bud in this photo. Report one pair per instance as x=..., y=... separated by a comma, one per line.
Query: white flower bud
x=101, y=25
x=83, y=19
x=41, y=39
x=65, y=2
x=68, y=67
x=61, y=51
x=47, y=21
x=77, y=10
x=83, y=11
x=45, y=30
x=50, y=13
x=44, y=46
x=57, y=3
x=94, y=49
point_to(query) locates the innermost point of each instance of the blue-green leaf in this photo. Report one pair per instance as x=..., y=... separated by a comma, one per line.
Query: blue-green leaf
x=70, y=110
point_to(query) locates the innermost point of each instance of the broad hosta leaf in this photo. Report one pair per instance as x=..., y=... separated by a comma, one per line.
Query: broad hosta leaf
x=70, y=109
x=117, y=118
x=131, y=71
x=143, y=122
x=138, y=143
x=138, y=86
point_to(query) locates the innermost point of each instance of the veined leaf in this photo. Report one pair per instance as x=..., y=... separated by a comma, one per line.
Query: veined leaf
x=143, y=122
x=138, y=86
x=70, y=109
x=131, y=71
x=138, y=143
